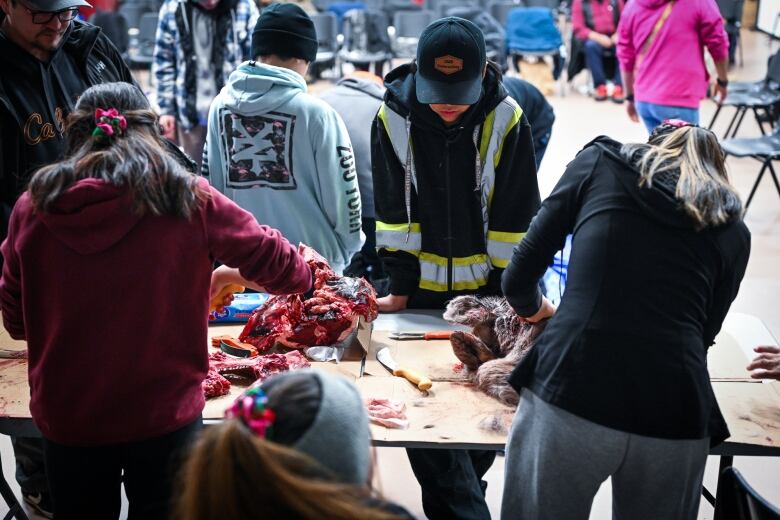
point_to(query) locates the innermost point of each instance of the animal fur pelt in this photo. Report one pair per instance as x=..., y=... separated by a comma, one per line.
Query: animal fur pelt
x=498, y=341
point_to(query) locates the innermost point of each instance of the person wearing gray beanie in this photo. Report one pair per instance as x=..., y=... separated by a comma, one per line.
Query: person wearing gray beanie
x=295, y=446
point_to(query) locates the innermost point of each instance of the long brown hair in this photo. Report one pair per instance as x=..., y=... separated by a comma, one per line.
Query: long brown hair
x=137, y=160
x=233, y=474
x=692, y=158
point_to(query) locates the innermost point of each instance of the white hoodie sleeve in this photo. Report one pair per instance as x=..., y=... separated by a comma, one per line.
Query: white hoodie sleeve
x=338, y=182
x=212, y=167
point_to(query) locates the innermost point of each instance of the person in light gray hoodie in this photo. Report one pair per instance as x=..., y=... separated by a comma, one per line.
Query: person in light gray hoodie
x=281, y=153
x=357, y=98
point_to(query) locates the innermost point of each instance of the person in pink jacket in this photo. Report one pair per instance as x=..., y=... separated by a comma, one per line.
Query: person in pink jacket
x=107, y=276
x=663, y=69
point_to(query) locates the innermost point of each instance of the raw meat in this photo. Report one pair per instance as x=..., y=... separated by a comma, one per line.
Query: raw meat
x=499, y=340
x=327, y=318
x=387, y=412
x=253, y=369
x=215, y=384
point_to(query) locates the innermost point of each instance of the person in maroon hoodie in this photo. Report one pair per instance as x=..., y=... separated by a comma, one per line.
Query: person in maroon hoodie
x=107, y=276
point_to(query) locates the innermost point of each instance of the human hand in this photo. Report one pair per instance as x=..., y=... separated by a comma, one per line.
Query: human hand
x=614, y=38
x=392, y=303
x=766, y=365
x=168, y=126
x=545, y=311
x=719, y=93
x=631, y=110
x=602, y=39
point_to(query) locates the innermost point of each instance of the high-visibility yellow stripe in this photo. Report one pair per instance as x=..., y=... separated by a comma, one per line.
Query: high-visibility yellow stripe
x=382, y=115
x=463, y=261
x=398, y=228
x=504, y=236
x=457, y=286
x=414, y=252
x=518, y=113
x=487, y=131
x=501, y=263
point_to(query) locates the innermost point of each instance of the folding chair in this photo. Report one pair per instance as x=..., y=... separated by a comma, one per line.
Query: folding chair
x=731, y=11
x=326, y=25
x=443, y=7
x=366, y=39
x=765, y=149
x=141, y=50
x=759, y=96
x=500, y=10
x=408, y=27
x=132, y=13
x=737, y=500
x=532, y=31
x=14, y=507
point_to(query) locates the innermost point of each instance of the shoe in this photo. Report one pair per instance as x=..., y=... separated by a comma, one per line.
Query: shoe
x=601, y=93
x=40, y=503
x=617, y=94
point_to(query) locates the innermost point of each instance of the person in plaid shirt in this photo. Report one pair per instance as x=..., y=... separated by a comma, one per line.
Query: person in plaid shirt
x=198, y=44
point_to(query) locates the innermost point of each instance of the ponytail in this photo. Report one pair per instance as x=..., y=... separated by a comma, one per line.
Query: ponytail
x=232, y=474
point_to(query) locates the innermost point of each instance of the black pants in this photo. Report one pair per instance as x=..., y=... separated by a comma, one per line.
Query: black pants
x=85, y=481
x=451, y=482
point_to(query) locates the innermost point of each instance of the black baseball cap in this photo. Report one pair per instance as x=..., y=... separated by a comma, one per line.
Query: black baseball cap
x=450, y=61
x=54, y=5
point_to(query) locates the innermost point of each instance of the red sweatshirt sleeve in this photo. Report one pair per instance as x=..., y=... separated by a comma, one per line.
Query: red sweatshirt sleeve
x=581, y=30
x=712, y=32
x=11, y=281
x=260, y=253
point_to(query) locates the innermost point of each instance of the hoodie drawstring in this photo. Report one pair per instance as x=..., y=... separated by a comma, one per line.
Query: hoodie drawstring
x=408, y=179
x=478, y=160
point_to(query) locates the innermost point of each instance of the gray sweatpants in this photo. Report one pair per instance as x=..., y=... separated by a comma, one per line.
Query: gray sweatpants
x=556, y=461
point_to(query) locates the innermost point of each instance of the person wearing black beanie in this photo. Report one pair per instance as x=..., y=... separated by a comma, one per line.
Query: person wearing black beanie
x=280, y=153
x=285, y=30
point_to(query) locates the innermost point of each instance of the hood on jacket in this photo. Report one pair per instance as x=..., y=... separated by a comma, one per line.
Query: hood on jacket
x=363, y=84
x=91, y=216
x=657, y=201
x=258, y=87
x=401, y=97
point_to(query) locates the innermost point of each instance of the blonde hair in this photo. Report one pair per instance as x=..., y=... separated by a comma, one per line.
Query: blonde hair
x=690, y=158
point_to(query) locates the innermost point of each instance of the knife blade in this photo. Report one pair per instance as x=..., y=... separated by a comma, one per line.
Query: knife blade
x=434, y=334
x=386, y=359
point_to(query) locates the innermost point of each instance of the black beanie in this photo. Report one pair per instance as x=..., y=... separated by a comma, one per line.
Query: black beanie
x=285, y=30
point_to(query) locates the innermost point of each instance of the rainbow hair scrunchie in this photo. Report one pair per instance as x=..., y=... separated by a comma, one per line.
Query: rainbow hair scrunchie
x=108, y=123
x=251, y=408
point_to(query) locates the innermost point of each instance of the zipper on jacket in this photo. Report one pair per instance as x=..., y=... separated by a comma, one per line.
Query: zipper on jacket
x=449, y=217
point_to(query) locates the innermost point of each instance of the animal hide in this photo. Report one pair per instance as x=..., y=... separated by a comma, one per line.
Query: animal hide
x=498, y=341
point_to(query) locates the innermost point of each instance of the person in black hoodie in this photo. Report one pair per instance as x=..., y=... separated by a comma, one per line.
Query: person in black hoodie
x=454, y=190
x=619, y=376
x=48, y=59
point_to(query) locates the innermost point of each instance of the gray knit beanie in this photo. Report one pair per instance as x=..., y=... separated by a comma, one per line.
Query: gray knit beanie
x=339, y=437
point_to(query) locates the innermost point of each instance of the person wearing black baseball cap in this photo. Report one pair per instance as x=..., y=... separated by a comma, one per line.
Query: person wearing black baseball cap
x=47, y=59
x=454, y=190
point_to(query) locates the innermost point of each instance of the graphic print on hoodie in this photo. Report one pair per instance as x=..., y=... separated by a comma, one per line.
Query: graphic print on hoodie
x=286, y=157
x=259, y=149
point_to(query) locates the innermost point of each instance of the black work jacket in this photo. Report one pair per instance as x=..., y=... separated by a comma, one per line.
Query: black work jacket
x=646, y=295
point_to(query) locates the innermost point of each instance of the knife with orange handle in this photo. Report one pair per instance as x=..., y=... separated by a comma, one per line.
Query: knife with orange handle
x=435, y=334
x=420, y=381
x=217, y=300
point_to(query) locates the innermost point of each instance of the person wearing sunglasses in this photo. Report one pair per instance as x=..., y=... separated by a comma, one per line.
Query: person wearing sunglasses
x=619, y=376
x=48, y=59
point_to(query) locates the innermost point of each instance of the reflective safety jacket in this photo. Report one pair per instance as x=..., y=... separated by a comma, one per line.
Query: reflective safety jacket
x=451, y=202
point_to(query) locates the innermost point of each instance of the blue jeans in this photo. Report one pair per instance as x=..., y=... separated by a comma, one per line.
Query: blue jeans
x=653, y=115
x=594, y=58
